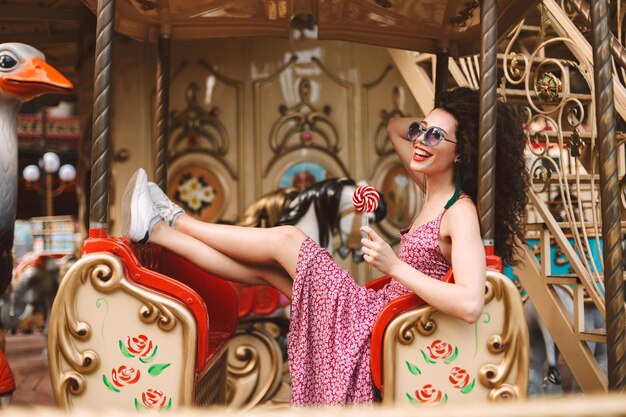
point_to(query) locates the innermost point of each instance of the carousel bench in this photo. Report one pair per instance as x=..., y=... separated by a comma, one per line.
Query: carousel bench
x=130, y=328
x=422, y=356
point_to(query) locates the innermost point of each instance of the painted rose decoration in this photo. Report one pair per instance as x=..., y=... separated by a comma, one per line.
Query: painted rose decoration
x=459, y=378
x=120, y=377
x=439, y=350
x=140, y=346
x=153, y=399
x=430, y=395
x=439, y=353
x=125, y=376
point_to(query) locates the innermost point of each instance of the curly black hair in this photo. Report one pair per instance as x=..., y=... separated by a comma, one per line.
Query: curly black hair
x=511, y=173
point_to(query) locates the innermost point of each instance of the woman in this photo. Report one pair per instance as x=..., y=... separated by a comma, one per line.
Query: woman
x=332, y=317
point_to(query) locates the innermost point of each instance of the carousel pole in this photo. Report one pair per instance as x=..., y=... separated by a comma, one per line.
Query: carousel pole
x=162, y=107
x=609, y=195
x=101, y=139
x=487, y=126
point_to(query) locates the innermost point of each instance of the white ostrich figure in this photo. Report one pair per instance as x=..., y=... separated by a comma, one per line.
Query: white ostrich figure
x=24, y=74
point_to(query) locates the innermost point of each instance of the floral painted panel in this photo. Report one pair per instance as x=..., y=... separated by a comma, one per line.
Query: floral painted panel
x=138, y=365
x=439, y=357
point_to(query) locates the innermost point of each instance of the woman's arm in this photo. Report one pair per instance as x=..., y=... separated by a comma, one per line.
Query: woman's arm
x=397, y=129
x=464, y=298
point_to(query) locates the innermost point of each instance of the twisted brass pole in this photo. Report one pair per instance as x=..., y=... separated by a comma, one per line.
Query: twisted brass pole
x=617, y=50
x=162, y=109
x=101, y=138
x=487, y=127
x=609, y=194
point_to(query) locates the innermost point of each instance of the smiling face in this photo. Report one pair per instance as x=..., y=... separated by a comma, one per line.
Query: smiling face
x=440, y=158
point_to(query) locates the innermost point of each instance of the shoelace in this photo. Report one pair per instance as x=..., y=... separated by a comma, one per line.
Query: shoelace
x=166, y=210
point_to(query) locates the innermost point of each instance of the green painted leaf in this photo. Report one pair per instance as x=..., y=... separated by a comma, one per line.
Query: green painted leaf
x=167, y=407
x=124, y=351
x=413, y=369
x=451, y=359
x=469, y=387
x=157, y=368
x=108, y=384
x=138, y=405
x=151, y=357
x=426, y=358
x=444, y=399
x=412, y=400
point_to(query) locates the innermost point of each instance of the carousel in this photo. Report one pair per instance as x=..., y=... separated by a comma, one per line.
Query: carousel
x=263, y=113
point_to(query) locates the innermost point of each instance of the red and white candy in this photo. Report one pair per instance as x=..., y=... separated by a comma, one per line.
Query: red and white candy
x=365, y=199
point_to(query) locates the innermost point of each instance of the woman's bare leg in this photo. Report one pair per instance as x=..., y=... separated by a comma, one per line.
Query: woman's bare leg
x=248, y=244
x=217, y=263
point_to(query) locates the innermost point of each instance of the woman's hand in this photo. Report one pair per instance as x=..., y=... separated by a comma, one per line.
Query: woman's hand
x=398, y=132
x=377, y=252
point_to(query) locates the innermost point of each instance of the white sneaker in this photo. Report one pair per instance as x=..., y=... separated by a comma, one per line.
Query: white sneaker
x=163, y=206
x=138, y=214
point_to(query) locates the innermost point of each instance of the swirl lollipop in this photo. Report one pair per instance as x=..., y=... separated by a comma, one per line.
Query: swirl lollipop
x=365, y=200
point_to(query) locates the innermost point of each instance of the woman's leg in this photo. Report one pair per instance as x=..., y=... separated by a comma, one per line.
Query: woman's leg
x=217, y=263
x=247, y=244
x=144, y=205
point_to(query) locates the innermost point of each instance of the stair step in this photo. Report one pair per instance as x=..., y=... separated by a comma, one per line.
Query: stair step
x=595, y=335
x=563, y=279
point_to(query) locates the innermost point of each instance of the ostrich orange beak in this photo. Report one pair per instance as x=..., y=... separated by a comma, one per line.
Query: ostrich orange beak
x=34, y=78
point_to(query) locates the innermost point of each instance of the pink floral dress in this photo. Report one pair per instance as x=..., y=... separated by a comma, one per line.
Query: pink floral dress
x=332, y=319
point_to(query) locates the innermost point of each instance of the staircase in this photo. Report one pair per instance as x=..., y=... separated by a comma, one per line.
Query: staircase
x=547, y=72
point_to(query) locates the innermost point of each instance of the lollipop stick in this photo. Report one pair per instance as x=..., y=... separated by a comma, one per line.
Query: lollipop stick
x=367, y=223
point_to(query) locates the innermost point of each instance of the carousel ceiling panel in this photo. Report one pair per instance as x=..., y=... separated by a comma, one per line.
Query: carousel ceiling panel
x=420, y=25
x=201, y=19
x=416, y=25
x=52, y=26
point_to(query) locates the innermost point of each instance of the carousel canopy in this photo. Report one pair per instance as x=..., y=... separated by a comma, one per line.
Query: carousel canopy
x=420, y=25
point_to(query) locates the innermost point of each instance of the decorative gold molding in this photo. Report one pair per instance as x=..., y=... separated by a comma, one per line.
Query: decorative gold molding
x=255, y=368
x=306, y=115
x=239, y=87
x=193, y=121
x=510, y=341
x=107, y=275
x=561, y=137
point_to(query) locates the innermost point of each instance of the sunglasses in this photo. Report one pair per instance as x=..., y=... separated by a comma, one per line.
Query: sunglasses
x=433, y=135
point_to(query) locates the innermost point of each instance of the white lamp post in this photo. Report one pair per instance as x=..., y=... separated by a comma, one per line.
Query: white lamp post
x=50, y=163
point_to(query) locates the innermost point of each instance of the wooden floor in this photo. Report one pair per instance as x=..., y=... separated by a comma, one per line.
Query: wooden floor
x=24, y=352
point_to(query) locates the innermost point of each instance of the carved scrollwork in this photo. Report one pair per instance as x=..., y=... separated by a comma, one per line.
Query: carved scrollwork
x=200, y=127
x=560, y=131
x=509, y=343
x=305, y=127
x=305, y=119
x=149, y=313
x=255, y=369
x=105, y=273
x=504, y=369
